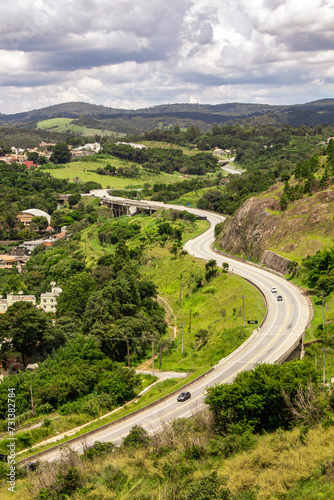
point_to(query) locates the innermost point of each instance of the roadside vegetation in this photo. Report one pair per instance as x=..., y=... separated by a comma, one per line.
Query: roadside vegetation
x=127, y=282
x=278, y=445
x=111, y=271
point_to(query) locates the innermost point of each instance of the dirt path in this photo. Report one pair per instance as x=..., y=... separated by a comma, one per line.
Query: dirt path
x=173, y=330
x=170, y=314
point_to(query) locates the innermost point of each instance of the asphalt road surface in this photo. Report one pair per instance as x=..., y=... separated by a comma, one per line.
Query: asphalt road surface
x=279, y=334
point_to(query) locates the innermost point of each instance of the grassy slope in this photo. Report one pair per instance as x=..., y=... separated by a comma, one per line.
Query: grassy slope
x=166, y=145
x=84, y=170
x=303, y=229
x=275, y=466
x=192, y=197
x=64, y=125
x=216, y=307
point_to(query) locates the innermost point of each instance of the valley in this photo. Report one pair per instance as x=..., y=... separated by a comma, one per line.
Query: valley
x=113, y=268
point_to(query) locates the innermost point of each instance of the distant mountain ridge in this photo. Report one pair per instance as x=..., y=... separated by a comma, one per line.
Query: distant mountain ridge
x=202, y=115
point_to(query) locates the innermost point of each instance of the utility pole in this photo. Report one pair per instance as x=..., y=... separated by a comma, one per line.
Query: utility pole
x=128, y=351
x=180, y=291
x=153, y=356
x=181, y=337
x=324, y=374
x=243, y=309
x=323, y=314
x=190, y=321
x=323, y=333
x=32, y=402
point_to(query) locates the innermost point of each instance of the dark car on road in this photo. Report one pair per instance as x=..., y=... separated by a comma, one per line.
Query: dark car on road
x=183, y=396
x=279, y=297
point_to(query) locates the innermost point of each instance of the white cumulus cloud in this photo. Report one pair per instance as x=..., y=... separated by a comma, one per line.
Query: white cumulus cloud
x=134, y=54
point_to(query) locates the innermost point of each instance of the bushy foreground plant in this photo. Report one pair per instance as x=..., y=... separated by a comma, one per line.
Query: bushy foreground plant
x=256, y=399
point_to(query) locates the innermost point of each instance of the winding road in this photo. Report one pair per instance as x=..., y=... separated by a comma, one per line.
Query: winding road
x=280, y=333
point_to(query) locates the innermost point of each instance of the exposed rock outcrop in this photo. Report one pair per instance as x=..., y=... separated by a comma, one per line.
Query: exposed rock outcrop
x=274, y=261
x=247, y=232
x=260, y=225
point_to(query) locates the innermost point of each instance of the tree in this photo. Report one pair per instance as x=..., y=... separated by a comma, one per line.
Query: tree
x=137, y=437
x=174, y=249
x=74, y=199
x=25, y=329
x=61, y=153
x=75, y=294
x=9, y=219
x=256, y=398
x=39, y=223
x=42, y=160
x=111, y=169
x=210, y=268
x=32, y=156
x=4, y=149
x=26, y=234
x=61, y=218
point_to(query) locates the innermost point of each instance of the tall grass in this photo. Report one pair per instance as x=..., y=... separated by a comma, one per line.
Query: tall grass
x=274, y=466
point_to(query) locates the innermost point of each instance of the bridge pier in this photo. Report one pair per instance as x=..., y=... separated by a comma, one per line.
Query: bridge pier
x=298, y=352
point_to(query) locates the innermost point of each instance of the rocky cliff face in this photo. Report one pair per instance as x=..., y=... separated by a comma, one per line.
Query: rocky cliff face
x=259, y=225
x=248, y=232
x=274, y=261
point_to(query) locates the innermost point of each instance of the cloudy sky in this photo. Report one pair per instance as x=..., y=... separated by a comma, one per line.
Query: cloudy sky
x=132, y=54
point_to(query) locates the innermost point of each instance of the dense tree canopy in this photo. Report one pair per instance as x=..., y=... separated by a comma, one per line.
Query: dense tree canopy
x=70, y=374
x=60, y=153
x=25, y=330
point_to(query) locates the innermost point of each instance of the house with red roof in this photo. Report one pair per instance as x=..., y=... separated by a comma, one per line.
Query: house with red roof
x=29, y=164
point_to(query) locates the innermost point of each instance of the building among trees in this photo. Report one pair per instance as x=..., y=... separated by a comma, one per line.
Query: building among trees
x=26, y=216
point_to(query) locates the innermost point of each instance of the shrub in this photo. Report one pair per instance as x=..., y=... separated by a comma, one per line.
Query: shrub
x=113, y=477
x=256, y=399
x=195, y=452
x=207, y=488
x=47, y=422
x=44, y=409
x=137, y=437
x=98, y=449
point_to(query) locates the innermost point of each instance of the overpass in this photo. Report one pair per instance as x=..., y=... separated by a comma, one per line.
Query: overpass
x=124, y=206
x=277, y=338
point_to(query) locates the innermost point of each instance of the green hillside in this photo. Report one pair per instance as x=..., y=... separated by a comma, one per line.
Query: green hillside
x=85, y=170
x=184, y=115
x=124, y=277
x=66, y=125
x=191, y=460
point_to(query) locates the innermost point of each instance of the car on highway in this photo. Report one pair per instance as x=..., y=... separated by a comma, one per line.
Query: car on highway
x=31, y=466
x=279, y=297
x=184, y=396
x=274, y=289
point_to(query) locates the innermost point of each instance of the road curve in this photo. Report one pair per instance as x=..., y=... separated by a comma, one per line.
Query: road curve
x=277, y=337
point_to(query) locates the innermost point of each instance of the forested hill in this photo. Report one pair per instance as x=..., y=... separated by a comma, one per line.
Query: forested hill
x=168, y=115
